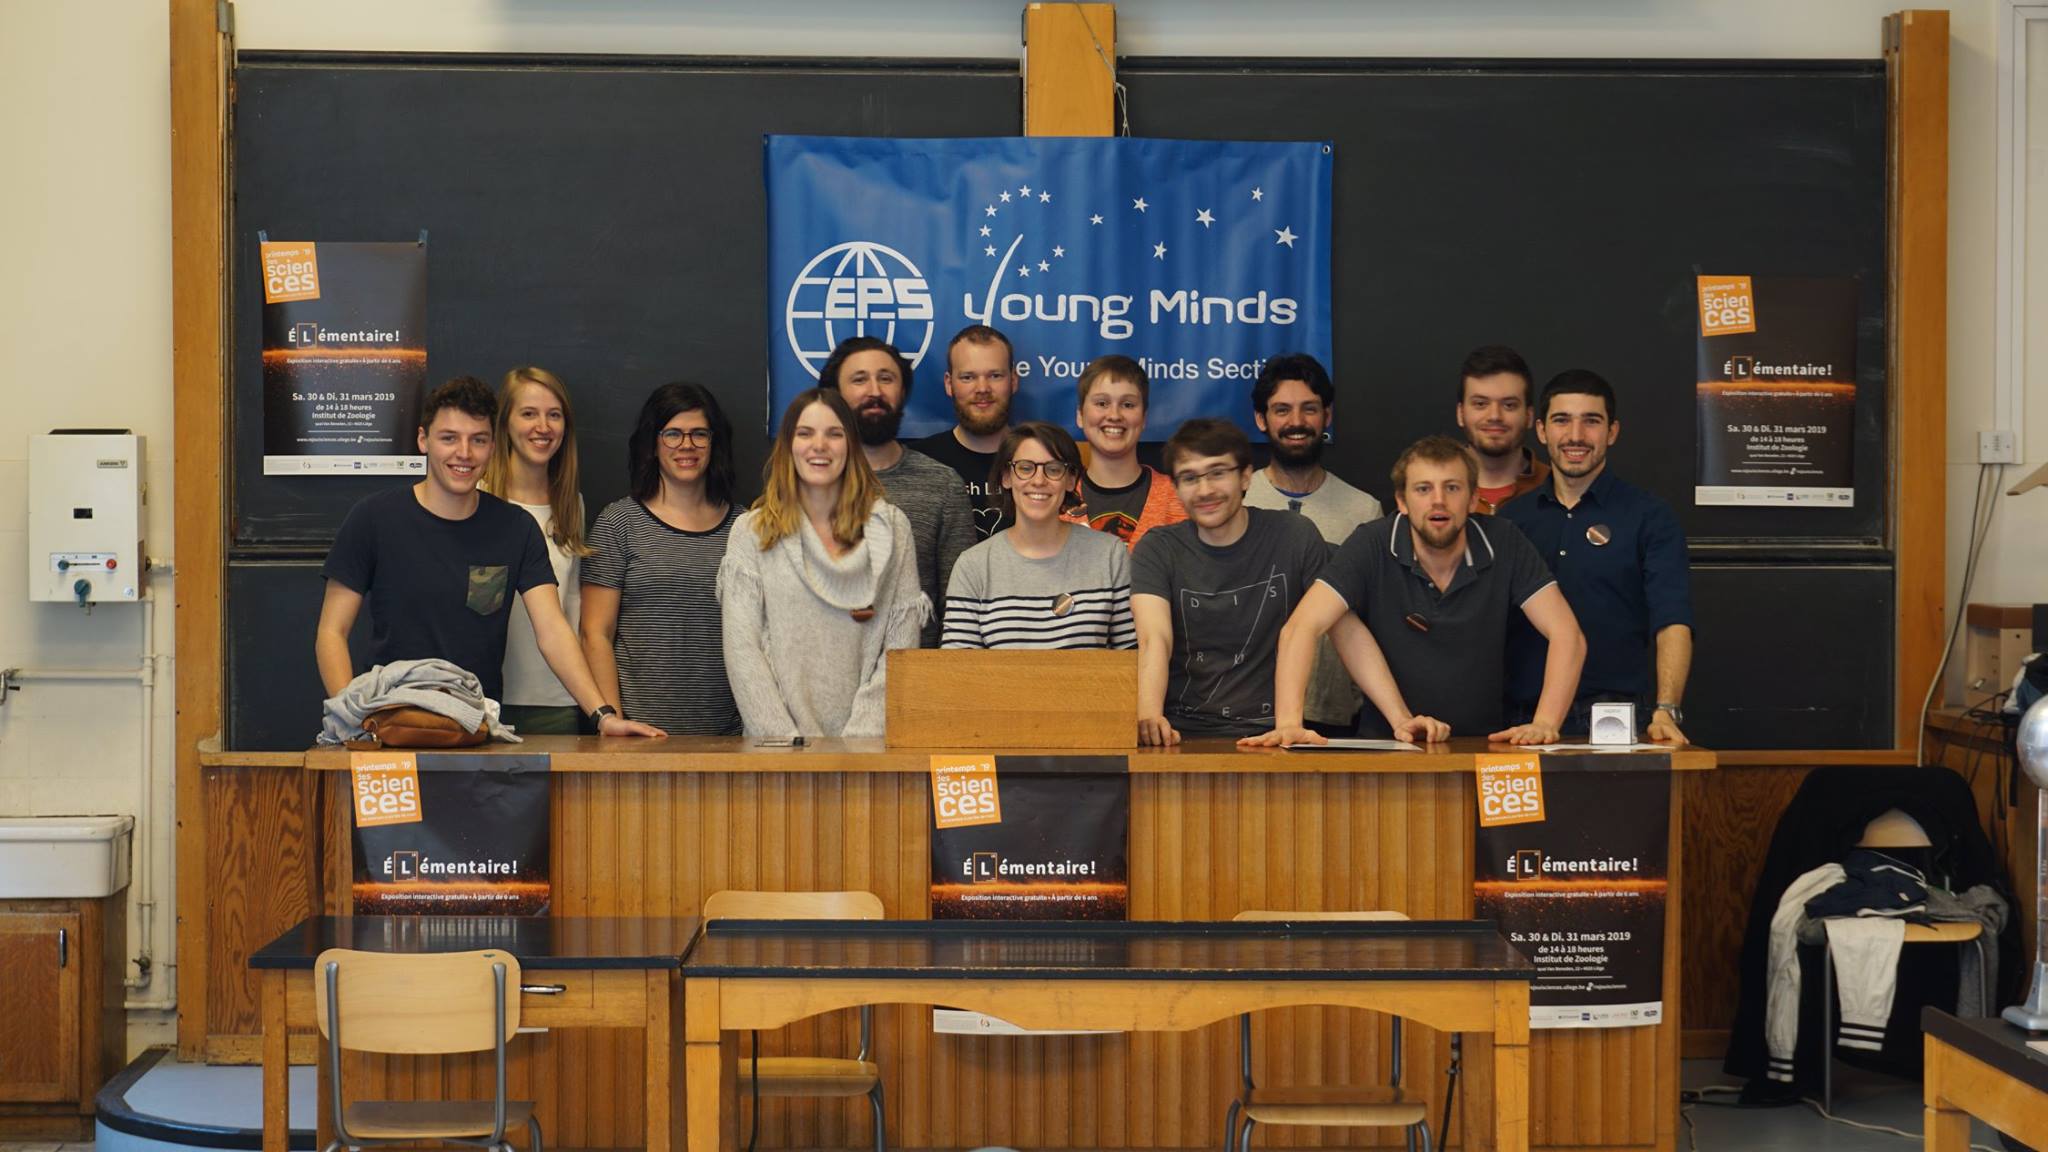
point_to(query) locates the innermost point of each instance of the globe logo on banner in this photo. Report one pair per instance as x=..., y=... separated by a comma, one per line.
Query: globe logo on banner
x=857, y=288
x=1198, y=259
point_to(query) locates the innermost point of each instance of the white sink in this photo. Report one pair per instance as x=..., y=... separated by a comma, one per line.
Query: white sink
x=63, y=857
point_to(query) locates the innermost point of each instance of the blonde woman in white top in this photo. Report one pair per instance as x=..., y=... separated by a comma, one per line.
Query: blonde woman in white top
x=533, y=466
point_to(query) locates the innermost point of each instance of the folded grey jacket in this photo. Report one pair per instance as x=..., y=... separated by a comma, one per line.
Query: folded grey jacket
x=434, y=685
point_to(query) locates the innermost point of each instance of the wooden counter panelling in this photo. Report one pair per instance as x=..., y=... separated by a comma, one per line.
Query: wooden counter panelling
x=654, y=827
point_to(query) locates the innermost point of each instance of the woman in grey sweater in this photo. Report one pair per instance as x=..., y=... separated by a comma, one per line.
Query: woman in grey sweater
x=819, y=581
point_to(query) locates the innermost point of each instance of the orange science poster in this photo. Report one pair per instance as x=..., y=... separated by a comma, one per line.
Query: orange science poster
x=1776, y=391
x=450, y=834
x=1570, y=859
x=1030, y=838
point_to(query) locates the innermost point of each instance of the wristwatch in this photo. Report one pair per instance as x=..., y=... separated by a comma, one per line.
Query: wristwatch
x=1671, y=706
x=598, y=714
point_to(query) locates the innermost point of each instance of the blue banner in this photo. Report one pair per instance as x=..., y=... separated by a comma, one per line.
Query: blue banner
x=1198, y=258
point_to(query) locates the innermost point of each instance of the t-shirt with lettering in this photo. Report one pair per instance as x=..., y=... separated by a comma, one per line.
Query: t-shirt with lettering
x=439, y=588
x=974, y=468
x=1228, y=606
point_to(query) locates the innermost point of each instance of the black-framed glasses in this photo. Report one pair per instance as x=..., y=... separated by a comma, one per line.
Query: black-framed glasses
x=1216, y=475
x=1055, y=470
x=675, y=437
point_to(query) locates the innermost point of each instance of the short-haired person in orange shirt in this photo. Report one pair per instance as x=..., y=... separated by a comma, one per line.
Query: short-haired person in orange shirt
x=1119, y=495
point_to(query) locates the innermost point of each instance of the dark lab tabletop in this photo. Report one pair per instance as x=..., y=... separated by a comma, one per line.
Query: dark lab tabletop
x=906, y=949
x=535, y=941
x=1992, y=1040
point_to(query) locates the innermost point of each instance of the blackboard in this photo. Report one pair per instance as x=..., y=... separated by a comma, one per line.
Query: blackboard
x=1561, y=207
x=603, y=218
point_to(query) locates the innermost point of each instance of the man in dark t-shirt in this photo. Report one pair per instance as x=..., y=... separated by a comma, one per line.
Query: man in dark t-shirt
x=1435, y=587
x=981, y=377
x=1210, y=593
x=439, y=563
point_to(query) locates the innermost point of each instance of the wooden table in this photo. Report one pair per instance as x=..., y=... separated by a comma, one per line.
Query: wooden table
x=600, y=972
x=1455, y=976
x=1982, y=1068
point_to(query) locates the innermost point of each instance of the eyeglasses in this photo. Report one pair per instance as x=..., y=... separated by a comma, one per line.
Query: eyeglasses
x=1216, y=475
x=1055, y=470
x=674, y=437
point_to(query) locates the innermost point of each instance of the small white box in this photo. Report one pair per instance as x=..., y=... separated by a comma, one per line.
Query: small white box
x=85, y=502
x=64, y=857
x=1612, y=724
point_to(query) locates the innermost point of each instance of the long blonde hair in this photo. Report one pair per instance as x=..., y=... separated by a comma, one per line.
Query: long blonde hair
x=565, y=496
x=780, y=510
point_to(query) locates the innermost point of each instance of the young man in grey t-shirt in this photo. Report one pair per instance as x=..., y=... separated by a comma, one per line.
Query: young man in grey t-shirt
x=1211, y=593
x=873, y=377
x=1295, y=406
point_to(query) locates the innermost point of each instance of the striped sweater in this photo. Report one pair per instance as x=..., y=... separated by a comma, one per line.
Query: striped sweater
x=1078, y=598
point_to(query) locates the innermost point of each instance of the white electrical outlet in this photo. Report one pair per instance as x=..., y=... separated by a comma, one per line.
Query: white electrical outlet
x=1998, y=447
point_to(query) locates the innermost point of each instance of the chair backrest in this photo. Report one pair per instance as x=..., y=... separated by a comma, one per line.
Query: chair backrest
x=1268, y=914
x=740, y=904
x=421, y=1002
x=1894, y=829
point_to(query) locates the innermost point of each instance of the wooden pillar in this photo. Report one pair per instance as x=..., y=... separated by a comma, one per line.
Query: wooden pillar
x=202, y=62
x=1070, y=70
x=1916, y=62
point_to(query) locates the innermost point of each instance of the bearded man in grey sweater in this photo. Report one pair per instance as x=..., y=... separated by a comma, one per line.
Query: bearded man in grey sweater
x=873, y=377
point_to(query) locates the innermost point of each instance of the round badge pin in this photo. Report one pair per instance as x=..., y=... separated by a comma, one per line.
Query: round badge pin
x=1063, y=604
x=862, y=615
x=1598, y=535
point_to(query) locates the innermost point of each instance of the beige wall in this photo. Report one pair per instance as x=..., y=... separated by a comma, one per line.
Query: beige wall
x=85, y=249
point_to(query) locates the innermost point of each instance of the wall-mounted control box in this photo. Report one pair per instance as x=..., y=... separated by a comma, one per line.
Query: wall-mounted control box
x=86, y=505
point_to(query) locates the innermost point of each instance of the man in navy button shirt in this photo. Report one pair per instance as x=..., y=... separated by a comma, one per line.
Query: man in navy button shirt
x=1620, y=557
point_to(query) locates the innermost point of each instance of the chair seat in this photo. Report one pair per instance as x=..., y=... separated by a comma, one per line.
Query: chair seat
x=1335, y=1106
x=1944, y=932
x=430, y=1119
x=811, y=1076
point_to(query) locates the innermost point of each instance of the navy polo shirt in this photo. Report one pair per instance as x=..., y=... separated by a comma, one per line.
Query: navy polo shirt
x=1622, y=591
x=1450, y=666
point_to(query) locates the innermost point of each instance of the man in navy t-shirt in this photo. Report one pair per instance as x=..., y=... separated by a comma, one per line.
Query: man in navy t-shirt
x=439, y=563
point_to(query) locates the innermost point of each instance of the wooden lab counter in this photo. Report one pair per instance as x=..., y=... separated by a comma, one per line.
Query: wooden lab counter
x=652, y=827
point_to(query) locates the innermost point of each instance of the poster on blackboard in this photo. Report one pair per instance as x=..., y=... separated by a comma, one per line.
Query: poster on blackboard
x=1030, y=838
x=344, y=357
x=1571, y=859
x=450, y=834
x=1776, y=391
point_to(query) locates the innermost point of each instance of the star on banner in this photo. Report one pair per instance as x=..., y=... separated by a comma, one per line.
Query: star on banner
x=1024, y=190
x=984, y=230
x=1258, y=193
x=1045, y=197
x=1005, y=197
x=1159, y=251
x=1285, y=236
x=1023, y=269
x=991, y=209
x=1044, y=267
x=1204, y=218
x=1058, y=251
x=1140, y=204
x=1096, y=219
x=989, y=251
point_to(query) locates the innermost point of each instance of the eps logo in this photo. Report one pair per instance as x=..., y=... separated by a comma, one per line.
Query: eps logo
x=858, y=288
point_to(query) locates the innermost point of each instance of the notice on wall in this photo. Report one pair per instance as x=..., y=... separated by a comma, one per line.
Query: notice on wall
x=1030, y=838
x=1571, y=859
x=1776, y=391
x=450, y=834
x=344, y=357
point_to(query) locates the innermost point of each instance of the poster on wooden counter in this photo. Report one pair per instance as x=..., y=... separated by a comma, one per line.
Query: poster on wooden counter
x=1776, y=391
x=450, y=834
x=344, y=357
x=1030, y=837
x=1571, y=857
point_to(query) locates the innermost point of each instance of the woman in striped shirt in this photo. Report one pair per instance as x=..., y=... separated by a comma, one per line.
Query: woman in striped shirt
x=1043, y=582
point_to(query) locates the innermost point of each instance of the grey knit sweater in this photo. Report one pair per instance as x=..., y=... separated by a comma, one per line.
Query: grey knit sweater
x=799, y=663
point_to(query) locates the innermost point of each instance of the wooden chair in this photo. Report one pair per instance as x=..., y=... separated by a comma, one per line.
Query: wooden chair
x=807, y=1075
x=417, y=1004
x=1338, y=1106
x=1895, y=829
